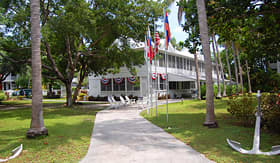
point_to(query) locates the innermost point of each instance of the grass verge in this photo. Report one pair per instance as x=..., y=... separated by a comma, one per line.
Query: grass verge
x=185, y=123
x=69, y=134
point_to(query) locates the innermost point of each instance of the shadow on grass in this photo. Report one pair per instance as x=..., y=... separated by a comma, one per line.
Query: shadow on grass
x=51, y=112
x=212, y=142
x=68, y=139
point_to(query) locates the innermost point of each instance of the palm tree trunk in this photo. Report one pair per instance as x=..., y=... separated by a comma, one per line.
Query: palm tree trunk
x=240, y=70
x=204, y=36
x=229, y=72
x=217, y=68
x=37, y=126
x=222, y=68
x=197, y=75
x=235, y=69
x=248, y=76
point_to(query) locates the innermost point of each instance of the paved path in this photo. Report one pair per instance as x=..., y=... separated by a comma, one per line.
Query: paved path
x=123, y=136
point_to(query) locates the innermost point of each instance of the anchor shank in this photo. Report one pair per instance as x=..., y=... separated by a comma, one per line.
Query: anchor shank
x=256, y=141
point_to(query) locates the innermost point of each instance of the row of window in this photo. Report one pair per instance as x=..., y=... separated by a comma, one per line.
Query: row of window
x=119, y=86
x=173, y=85
x=181, y=85
x=180, y=63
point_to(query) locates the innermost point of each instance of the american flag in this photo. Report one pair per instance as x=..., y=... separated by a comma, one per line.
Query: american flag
x=157, y=41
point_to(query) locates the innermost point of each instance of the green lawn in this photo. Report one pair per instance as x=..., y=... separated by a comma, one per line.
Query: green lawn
x=69, y=134
x=185, y=123
x=29, y=101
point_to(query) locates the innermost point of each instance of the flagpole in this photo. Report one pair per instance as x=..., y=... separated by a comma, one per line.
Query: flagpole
x=151, y=87
x=155, y=61
x=147, y=63
x=166, y=64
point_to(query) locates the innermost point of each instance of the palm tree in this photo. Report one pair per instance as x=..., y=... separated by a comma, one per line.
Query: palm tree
x=235, y=69
x=240, y=70
x=222, y=68
x=248, y=76
x=180, y=12
x=217, y=68
x=37, y=127
x=229, y=70
x=204, y=36
x=197, y=74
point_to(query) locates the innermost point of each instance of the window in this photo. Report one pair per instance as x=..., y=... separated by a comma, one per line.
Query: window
x=106, y=87
x=192, y=84
x=186, y=85
x=162, y=84
x=179, y=62
x=184, y=63
x=173, y=61
x=191, y=65
x=119, y=87
x=173, y=85
x=154, y=83
x=188, y=64
x=133, y=87
x=162, y=60
x=169, y=61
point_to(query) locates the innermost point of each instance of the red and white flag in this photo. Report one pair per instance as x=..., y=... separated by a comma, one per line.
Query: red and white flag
x=157, y=42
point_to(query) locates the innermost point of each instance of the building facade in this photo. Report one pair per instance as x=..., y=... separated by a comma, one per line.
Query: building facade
x=180, y=70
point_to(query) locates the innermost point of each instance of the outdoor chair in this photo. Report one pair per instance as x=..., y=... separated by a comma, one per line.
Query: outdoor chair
x=130, y=101
x=119, y=103
x=123, y=102
x=112, y=103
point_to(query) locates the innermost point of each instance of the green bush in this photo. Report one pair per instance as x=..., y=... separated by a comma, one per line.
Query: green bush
x=82, y=94
x=243, y=109
x=2, y=96
x=203, y=91
x=270, y=106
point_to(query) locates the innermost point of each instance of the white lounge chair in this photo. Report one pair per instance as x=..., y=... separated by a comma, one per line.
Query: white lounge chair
x=112, y=103
x=130, y=101
x=123, y=102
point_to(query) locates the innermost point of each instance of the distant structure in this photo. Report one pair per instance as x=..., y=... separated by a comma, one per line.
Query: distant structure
x=8, y=83
x=275, y=66
x=181, y=76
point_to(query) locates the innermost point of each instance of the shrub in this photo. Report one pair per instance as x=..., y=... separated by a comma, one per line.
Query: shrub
x=270, y=106
x=82, y=94
x=243, y=109
x=203, y=91
x=98, y=98
x=52, y=96
x=233, y=89
x=2, y=96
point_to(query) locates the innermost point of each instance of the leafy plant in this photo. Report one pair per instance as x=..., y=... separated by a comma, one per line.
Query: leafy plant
x=243, y=109
x=2, y=96
x=270, y=106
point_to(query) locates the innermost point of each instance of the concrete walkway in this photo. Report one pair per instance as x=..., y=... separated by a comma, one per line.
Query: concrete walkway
x=123, y=136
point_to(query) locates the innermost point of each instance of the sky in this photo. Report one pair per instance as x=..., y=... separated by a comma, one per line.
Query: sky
x=176, y=29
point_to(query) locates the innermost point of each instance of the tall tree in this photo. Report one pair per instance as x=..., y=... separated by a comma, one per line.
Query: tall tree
x=204, y=36
x=235, y=69
x=217, y=67
x=248, y=76
x=37, y=126
x=191, y=27
x=240, y=70
x=222, y=67
x=229, y=69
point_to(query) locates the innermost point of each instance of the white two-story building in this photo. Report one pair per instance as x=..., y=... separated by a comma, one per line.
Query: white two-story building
x=181, y=76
